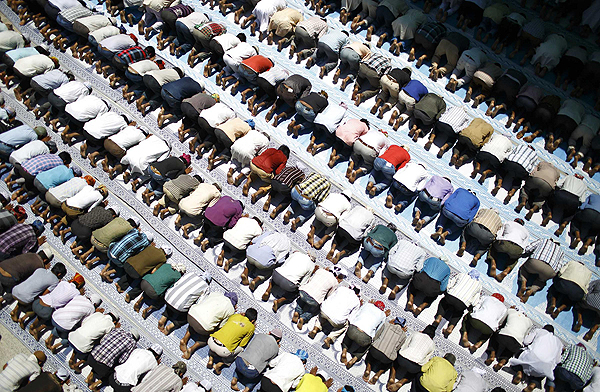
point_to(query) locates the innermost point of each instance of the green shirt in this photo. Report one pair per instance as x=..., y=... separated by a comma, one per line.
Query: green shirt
x=113, y=231
x=576, y=360
x=383, y=236
x=163, y=278
x=147, y=260
x=236, y=332
x=438, y=375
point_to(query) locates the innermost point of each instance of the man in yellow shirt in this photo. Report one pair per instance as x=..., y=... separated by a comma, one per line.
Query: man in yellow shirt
x=230, y=340
x=315, y=381
x=438, y=375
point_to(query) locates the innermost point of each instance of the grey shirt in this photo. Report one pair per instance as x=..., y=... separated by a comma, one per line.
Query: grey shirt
x=260, y=351
x=41, y=279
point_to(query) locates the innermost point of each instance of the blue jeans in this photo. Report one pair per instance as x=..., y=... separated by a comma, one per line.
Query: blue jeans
x=156, y=182
x=450, y=221
x=5, y=151
x=135, y=12
x=371, y=253
x=306, y=306
x=401, y=195
x=107, y=54
x=406, y=44
x=570, y=381
x=64, y=23
x=135, y=78
x=301, y=207
x=306, y=112
x=184, y=38
x=428, y=207
x=248, y=377
x=382, y=174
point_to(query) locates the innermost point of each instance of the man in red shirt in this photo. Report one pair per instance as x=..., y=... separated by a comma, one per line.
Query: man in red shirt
x=250, y=68
x=385, y=166
x=265, y=166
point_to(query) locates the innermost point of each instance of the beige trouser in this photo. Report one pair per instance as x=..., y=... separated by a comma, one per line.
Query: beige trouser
x=448, y=49
x=338, y=329
x=389, y=90
x=222, y=351
x=543, y=272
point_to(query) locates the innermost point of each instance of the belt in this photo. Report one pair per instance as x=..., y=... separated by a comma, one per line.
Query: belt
x=218, y=343
x=431, y=197
x=375, y=244
x=5, y=274
x=365, y=144
x=8, y=145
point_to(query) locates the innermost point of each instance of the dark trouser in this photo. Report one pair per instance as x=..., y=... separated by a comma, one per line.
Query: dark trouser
x=568, y=290
x=406, y=369
x=471, y=323
x=487, y=161
x=6, y=286
x=212, y=232
x=417, y=387
x=563, y=126
x=569, y=380
x=306, y=306
x=587, y=222
x=451, y=306
x=384, y=17
x=472, y=12
x=543, y=115
x=356, y=342
x=508, y=248
x=441, y=128
x=513, y=173
x=535, y=191
x=329, y=54
x=267, y=385
x=423, y=283
x=564, y=204
x=506, y=89
x=505, y=346
x=58, y=104
x=247, y=376
x=480, y=234
x=130, y=275
x=464, y=146
x=118, y=387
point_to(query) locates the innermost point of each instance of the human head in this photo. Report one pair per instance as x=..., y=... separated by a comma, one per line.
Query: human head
x=429, y=331
x=52, y=146
x=89, y=86
x=90, y=180
x=324, y=93
x=41, y=132
x=257, y=219
x=322, y=374
x=167, y=249
x=581, y=345
x=285, y=150
x=45, y=252
x=134, y=221
x=55, y=61
x=38, y=227
x=157, y=350
x=76, y=171
x=277, y=334
x=135, y=333
x=392, y=226
x=241, y=37
x=549, y=328
x=251, y=314
x=180, y=368
x=41, y=357
x=450, y=358
x=520, y=221
x=59, y=270
x=251, y=123
x=379, y=305
x=186, y=158
x=347, y=388
x=401, y=321
x=198, y=178
x=103, y=191
x=302, y=354
x=78, y=280
x=115, y=319
x=96, y=299
x=498, y=389
x=217, y=186
x=66, y=157
x=150, y=51
x=10, y=112
x=63, y=375
x=407, y=71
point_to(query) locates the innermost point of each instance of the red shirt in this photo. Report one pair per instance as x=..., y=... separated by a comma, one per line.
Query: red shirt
x=397, y=156
x=258, y=63
x=272, y=161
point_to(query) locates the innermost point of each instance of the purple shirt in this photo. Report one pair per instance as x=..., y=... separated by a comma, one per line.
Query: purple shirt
x=225, y=212
x=415, y=89
x=439, y=187
x=40, y=163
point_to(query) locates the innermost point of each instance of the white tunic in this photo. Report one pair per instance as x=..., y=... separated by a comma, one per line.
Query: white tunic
x=149, y=150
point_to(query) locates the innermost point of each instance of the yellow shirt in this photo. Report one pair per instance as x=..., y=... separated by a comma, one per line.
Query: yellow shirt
x=236, y=332
x=310, y=383
x=438, y=375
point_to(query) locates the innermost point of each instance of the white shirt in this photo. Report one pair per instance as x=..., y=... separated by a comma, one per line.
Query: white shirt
x=34, y=65
x=456, y=117
x=227, y=41
x=217, y=114
x=590, y=121
x=418, y=348
x=92, y=329
x=574, y=185
x=471, y=381
x=542, y=354
x=357, y=222
x=139, y=362
x=594, y=385
x=336, y=204
x=331, y=117
x=286, y=370
x=517, y=325
x=143, y=67
x=491, y=311
x=413, y=176
x=405, y=258
x=193, y=19
x=69, y=315
x=117, y=43
x=86, y=198
x=514, y=232
x=128, y=137
x=340, y=304
x=212, y=311
x=62, y=294
x=68, y=189
x=499, y=146
x=320, y=284
x=269, y=249
x=465, y=288
x=234, y=56
x=242, y=233
x=149, y=150
x=96, y=21
x=265, y=9
x=297, y=268
x=104, y=32
x=186, y=291
x=64, y=4
x=29, y=150
x=105, y=125
x=248, y=146
x=368, y=319
x=376, y=140
x=70, y=92
x=87, y=107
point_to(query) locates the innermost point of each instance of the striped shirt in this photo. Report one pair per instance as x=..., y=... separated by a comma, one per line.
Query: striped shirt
x=456, y=117
x=548, y=251
x=576, y=360
x=290, y=176
x=465, y=288
x=186, y=291
x=180, y=187
x=525, y=156
x=406, y=258
x=70, y=15
x=132, y=243
x=61, y=295
x=19, y=237
x=21, y=367
x=51, y=80
x=315, y=26
x=499, y=146
x=160, y=379
x=489, y=218
x=432, y=31
x=114, y=348
x=40, y=163
x=72, y=313
x=315, y=188
x=7, y=219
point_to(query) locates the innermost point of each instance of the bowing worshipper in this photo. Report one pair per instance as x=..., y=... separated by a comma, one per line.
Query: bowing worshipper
x=264, y=254
x=203, y=38
x=222, y=215
x=121, y=61
x=30, y=168
x=482, y=230
x=267, y=84
x=346, y=134
x=469, y=62
x=403, y=31
x=191, y=109
x=408, y=96
x=21, y=238
x=237, y=239
x=431, y=281
x=430, y=200
x=365, y=150
x=252, y=362
x=490, y=157
x=371, y=69
x=68, y=317
x=539, y=358
x=384, y=350
x=112, y=232
x=588, y=75
x=491, y=18
x=376, y=247
x=44, y=306
x=115, y=147
x=426, y=112
x=181, y=297
x=569, y=288
x=113, y=349
x=282, y=184
x=584, y=223
x=60, y=97
x=12, y=39
x=83, y=339
x=458, y=211
x=21, y=369
x=283, y=25
x=563, y=204
x=84, y=200
x=574, y=370
x=548, y=53
x=174, y=191
x=16, y=270
x=295, y=271
x=51, y=382
x=391, y=84
x=260, y=16
x=505, y=90
x=353, y=227
x=329, y=47
x=135, y=74
x=514, y=169
x=486, y=318
x=162, y=171
x=45, y=180
x=362, y=328
x=307, y=109
x=525, y=105
x=387, y=11
x=129, y=373
x=226, y=135
x=588, y=304
x=351, y=56
x=57, y=195
x=451, y=46
x=427, y=37
x=325, y=125
x=208, y=120
x=153, y=81
x=79, y=112
x=569, y=116
x=289, y=92
x=183, y=41
x=155, y=284
x=328, y=213
x=284, y=372
x=97, y=130
x=315, y=380
x=437, y=374
x=385, y=166
x=137, y=266
x=163, y=378
x=28, y=67
x=153, y=20
x=243, y=64
x=483, y=81
x=109, y=46
x=584, y=133
x=545, y=260
x=510, y=242
x=173, y=94
x=508, y=340
x=266, y=165
x=137, y=159
x=470, y=140
x=508, y=30
x=89, y=43
x=231, y=339
x=209, y=314
x=403, y=261
x=463, y=292
x=202, y=197
x=306, y=36
x=28, y=151
x=334, y=313
x=14, y=139
x=42, y=85
x=82, y=227
x=313, y=292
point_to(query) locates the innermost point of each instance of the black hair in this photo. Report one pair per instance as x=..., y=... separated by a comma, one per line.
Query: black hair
x=43, y=256
x=115, y=318
x=285, y=150
x=549, y=328
x=179, y=72
x=357, y=290
x=429, y=331
x=242, y=205
x=132, y=222
x=407, y=71
x=348, y=388
x=125, y=118
x=251, y=314
x=150, y=51
x=322, y=378
x=365, y=121
x=241, y=37
x=217, y=186
x=59, y=270
x=197, y=177
x=41, y=50
x=520, y=221
x=392, y=226
x=65, y=156
x=498, y=389
x=450, y=358
x=345, y=32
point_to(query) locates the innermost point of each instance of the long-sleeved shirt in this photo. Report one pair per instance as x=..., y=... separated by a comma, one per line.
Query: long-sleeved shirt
x=269, y=248
x=18, y=136
x=340, y=304
x=572, y=109
x=351, y=130
x=71, y=91
x=132, y=243
x=517, y=325
x=465, y=289
x=336, y=204
x=335, y=39
x=439, y=188
x=548, y=251
x=547, y=172
x=297, y=268
x=51, y=80
x=439, y=375
x=490, y=311
x=236, y=332
x=490, y=219
x=541, y=354
x=86, y=108
x=260, y=351
x=315, y=187
x=20, y=237
x=68, y=189
x=204, y=196
x=405, y=258
x=478, y=132
x=225, y=212
x=456, y=117
x=34, y=65
x=573, y=185
x=431, y=106
x=186, y=291
x=315, y=26
x=576, y=360
x=376, y=140
x=574, y=271
x=369, y=318
x=244, y=231
x=88, y=197
x=285, y=371
x=389, y=339
x=463, y=204
x=19, y=368
x=139, y=362
x=415, y=89
x=212, y=311
x=383, y=236
x=514, y=232
x=592, y=201
x=413, y=176
x=438, y=270
x=417, y=348
x=499, y=146
x=321, y=283
x=28, y=151
x=92, y=328
x=357, y=222
x=40, y=163
x=105, y=125
x=55, y=176
x=525, y=156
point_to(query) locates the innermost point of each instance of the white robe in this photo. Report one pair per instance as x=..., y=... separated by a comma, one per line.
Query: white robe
x=541, y=355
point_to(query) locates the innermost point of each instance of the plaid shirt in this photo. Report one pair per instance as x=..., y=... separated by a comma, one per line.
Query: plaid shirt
x=315, y=188
x=7, y=220
x=132, y=243
x=379, y=63
x=72, y=14
x=114, y=348
x=178, y=188
x=209, y=30
x=432, y=31
x=548, y=251
x=576, y=360
x=290, y=176
x=131, y=55
x=40, y=163
x=20, y=236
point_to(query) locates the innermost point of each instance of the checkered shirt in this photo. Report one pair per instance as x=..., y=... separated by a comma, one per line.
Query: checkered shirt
x=132, y=55
x=132, y=243
x=209, y=30
x=432, y=31
x=379, y=63
x=576, y=360
x=20, y=236
x=290, y=176
x=548, y=251
x=114, y=348
x=7, y=220
x=315, y=188
x=74, y=13
x=40, y=163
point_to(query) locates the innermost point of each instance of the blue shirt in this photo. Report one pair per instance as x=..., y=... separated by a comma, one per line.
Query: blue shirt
x=438, y=270
x=463, y=204
x=55, y=176
x=593, y=202
x=335, y=39
x=181, y=89
x=415, y=89
x=20, y=53
x=18, y=136
x=51, y=80
x=132, y=243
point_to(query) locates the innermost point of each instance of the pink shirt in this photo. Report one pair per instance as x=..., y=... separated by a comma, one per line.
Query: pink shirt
x=351, y=130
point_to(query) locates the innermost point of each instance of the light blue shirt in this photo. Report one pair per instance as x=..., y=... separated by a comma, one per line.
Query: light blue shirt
x=593, y=202
x=438, y=270
x=335, y=39
x=20, y=53
x=18, y=136
x=55, y=176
